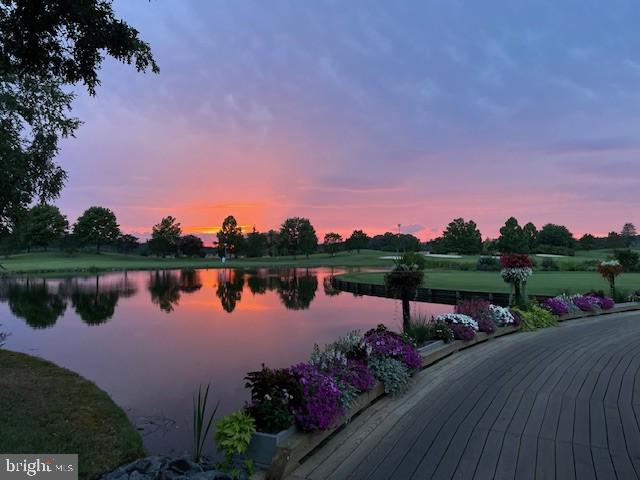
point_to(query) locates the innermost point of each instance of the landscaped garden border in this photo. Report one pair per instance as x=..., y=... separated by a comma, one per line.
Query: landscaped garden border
x=299, y=445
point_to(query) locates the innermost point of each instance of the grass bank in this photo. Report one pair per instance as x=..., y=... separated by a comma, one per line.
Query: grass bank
x=540, y=283
x=47, y=262
x=48, y=409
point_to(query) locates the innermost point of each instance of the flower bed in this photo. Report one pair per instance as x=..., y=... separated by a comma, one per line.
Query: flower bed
x=563, y=305
x=317, y=394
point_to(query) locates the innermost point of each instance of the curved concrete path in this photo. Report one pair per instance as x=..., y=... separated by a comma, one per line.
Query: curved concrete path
x=559, y=403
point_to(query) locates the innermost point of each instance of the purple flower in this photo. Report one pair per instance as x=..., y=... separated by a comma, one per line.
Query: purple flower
x=557, y=306
x=385, y=343
x=478, y=309
x=517, y=319
x=321, y=407
x=586, y=303
x=462, y=332
x=606, y=303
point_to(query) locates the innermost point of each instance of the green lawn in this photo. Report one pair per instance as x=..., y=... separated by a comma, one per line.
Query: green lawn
x=541, y=283
x=42, y=262
x=48, y=409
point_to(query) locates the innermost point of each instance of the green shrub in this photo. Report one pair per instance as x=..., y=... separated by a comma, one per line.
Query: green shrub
x=421, y=329
x=628, y=259
x=233, y=434
x=391, y=372
x=549, y=265
x=555, y=250
x=534, y=317
x=488, y=264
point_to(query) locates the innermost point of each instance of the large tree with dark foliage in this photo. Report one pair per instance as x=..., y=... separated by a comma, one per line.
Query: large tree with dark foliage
x=45, y=46
x=96, y=226
x=556, y=236
x=462, y=237
x=41, y=226
x=357, y=241
x=512, y=238
x=297, y=236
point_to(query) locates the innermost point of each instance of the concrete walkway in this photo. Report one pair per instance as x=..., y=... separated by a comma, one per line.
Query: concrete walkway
x=559, y=403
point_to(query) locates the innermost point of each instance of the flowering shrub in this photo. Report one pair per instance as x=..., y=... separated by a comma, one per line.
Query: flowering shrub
x=274, y=394
x=321, y=406
x=458, y=319
x=388, y=344
x=478, y=310
x=462, y=332
x=604, y=302
x=501, y=316
x=516, y=260
x=556, y=305
x=610, y=268
x=586, y=303
x=351, y=375
x=512, y=275
x=391, y=372
x=462, y=326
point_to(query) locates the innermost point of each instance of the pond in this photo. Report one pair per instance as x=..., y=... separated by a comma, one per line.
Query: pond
x=150, y=338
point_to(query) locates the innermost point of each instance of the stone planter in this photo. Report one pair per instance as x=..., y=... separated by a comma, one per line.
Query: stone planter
x=263, y=446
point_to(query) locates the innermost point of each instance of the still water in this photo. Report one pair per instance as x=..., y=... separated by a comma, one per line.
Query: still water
x=150, y=338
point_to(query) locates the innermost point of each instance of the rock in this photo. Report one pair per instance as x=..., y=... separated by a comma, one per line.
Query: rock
x=164, y=468
x=185, y=466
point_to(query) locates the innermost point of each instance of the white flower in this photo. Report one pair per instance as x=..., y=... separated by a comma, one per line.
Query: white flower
x=610, y=263
x=516, y=274
x=458, y=318
x=500, y=315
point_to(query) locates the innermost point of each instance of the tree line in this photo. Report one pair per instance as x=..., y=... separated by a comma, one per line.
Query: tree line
x=44, y=226
x=464, y=237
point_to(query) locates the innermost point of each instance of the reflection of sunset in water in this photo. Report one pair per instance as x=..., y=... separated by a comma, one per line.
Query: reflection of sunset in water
x=150, y=338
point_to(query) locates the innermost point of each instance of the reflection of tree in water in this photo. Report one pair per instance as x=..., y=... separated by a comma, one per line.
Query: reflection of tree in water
x=95, y=305
x=127, y=288
x=329, y=289
x=33, y=302
x=190, y=281
x=229, y=291
x=297, y=291
x=164, y=287
x=258, y=284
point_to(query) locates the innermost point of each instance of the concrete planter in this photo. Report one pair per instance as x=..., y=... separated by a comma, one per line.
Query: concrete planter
x=263, y=446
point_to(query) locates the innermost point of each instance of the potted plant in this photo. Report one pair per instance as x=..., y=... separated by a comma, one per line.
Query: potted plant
x=274, y=393
x=610, y=269
x=516, y=270
x=404, y=280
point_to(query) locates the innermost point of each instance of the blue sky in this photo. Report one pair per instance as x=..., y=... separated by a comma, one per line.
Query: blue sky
x=365, y=114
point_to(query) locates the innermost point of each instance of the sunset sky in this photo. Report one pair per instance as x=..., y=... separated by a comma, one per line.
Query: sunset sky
x=366, y=114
